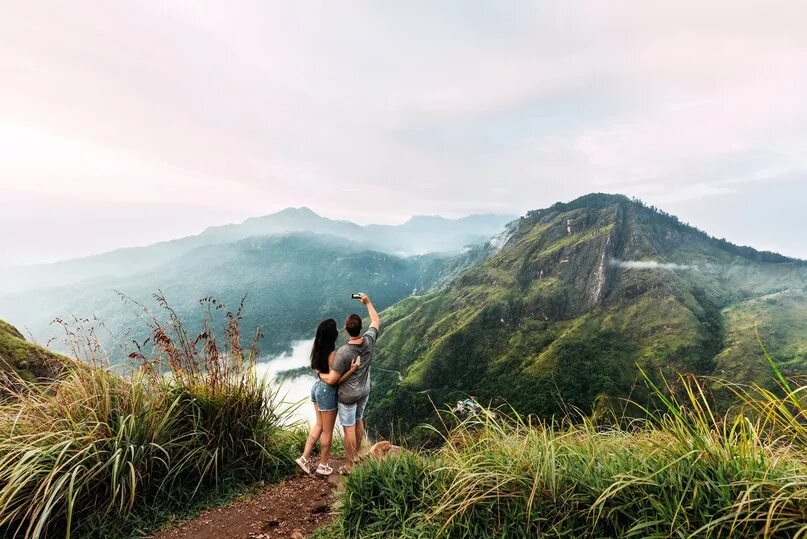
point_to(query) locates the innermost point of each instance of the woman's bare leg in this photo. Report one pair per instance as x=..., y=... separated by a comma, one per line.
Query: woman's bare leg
x=328, y=421
x=314, y=435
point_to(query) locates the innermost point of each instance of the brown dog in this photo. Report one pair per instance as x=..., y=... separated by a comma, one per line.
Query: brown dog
x=384, y=448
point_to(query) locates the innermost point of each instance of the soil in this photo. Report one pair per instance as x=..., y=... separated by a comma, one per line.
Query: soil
x=293, y=508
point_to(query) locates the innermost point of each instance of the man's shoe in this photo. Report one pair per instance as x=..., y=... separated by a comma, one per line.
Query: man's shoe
x=324, y=470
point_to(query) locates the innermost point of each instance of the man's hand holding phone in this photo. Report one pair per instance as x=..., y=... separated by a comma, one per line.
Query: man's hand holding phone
x=364, y=298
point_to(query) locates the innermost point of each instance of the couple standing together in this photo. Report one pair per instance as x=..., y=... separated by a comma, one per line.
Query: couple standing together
x=342, y=387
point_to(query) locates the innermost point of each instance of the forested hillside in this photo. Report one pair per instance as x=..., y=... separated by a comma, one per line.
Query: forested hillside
x=583, y=295
x=291, y=282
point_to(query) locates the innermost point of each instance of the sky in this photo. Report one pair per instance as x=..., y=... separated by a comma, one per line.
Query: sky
x=125, y=123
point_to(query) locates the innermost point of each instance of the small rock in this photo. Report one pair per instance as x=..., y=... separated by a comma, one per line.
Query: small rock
x=296, y=534
x=320, y=508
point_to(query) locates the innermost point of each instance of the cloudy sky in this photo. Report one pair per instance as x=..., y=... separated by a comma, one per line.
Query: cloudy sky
x=124, y=123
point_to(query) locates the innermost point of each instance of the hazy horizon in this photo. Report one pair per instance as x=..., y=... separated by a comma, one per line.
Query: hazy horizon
x=133, y=123
x=405, y=220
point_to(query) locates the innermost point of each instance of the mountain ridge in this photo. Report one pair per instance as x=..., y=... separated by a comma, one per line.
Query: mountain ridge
x=580, y=297
x=292, y=281
x=453, y=236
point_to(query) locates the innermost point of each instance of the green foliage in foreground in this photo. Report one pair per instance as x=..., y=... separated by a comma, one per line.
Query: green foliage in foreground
x=682, y=473
x=94, y=452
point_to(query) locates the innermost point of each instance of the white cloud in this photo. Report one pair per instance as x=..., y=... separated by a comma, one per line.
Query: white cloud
x=421, y=107
x=647, y=265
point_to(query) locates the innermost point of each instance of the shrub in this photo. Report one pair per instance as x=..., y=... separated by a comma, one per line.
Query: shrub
x=90, y=451
x=683, y=472
x=386, y=497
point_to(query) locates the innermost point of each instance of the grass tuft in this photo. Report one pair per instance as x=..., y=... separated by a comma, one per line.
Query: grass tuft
x=92, y=453
x=684, y=471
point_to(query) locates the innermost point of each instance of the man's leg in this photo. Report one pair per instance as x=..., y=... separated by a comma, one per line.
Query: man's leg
x=359, y=435
x=347, y=417
x=350, y=444
x=360, y=432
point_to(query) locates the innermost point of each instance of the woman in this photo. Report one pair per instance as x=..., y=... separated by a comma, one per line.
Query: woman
x=324, y=397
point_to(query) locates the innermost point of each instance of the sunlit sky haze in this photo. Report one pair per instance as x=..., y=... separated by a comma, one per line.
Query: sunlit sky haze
x=125, y=123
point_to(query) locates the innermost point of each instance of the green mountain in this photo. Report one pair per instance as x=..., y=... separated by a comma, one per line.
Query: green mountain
x=25, y=359
x=419, y=235
x=580, y=297
x=291, y=282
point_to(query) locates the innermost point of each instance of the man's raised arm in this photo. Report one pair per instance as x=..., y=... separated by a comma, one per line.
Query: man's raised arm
x=375, y=321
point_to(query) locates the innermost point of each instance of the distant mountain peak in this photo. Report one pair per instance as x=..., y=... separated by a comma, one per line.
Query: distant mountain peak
x=426, y=219
x=302, y=210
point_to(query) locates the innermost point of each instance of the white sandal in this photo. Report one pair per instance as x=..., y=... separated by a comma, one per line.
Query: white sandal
x=324, y=470
x=303, y=463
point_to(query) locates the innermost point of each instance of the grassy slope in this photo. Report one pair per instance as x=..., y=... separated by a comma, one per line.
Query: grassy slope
x=685, y=472
x=780, y=320
x=26, y=359
x=534, y=325
x=102, y=455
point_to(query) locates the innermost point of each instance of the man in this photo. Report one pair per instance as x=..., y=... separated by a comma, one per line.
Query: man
x=354, y=392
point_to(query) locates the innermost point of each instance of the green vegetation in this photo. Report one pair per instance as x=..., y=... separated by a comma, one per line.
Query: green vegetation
x=95, y=454
x=780, y=318
x=684, y=471
x=292, y=281
x=20, y=359
x=580, y=298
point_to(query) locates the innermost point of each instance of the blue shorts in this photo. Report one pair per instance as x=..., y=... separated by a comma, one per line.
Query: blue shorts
x=350, y=413
x=324, y=395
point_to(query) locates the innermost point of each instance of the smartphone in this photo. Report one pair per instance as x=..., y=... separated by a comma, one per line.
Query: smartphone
x=355, y=296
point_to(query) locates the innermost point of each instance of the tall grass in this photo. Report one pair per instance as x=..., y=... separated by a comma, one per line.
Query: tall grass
x=83, y=455
x=685, y=471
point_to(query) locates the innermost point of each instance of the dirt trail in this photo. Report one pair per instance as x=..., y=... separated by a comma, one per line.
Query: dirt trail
x=293, y=508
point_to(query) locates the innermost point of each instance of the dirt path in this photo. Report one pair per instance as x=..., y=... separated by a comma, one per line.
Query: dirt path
x=293, y=508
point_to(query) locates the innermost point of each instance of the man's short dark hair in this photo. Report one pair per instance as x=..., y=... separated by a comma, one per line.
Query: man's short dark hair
x=353, y=325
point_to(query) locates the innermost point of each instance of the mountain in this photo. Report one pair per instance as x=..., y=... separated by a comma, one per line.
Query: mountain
x=25, y=359
x=581, y=296
x=420, y=235
x=291, y=281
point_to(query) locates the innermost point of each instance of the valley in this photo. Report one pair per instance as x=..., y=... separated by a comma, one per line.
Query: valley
x=290, y=281
x=561, y=309
x=567, y=322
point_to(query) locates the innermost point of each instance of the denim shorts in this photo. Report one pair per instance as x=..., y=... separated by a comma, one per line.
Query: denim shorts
x=324, y=395
x=350, y=413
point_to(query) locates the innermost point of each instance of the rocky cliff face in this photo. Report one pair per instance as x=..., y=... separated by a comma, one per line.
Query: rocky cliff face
x=579, y=297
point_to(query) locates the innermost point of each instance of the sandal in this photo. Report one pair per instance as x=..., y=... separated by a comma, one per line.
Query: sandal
x=324, y=470
x=302, y=462
x=344, y=470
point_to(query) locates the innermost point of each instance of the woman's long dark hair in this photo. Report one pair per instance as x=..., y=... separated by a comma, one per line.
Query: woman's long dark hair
x=324, y=344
